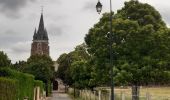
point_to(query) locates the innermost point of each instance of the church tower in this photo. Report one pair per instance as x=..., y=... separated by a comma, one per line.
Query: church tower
x=40, y=44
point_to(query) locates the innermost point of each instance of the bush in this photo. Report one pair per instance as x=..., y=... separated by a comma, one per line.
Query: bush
x=39, y=84
x=25, y=82
x=8, y=89
x=48, y=88
x=26, y=85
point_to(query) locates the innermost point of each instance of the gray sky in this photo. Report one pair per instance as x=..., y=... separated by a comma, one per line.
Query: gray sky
x=67, y=22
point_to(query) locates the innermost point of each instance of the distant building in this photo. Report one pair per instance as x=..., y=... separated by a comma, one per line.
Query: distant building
x=40, y=44
x=56, y=66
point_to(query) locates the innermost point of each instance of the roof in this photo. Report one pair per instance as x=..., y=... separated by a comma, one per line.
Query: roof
x=41, y=33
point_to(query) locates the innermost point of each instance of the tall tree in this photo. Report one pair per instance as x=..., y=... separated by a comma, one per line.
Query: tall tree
x=81, y=73
x=140, y=45
x=64, y=62
x=19, y=66
x=68, y=62
x=41, y=66
x=4, y=60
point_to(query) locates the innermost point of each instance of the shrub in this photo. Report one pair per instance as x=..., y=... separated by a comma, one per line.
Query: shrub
x=48, y=88
x=39, y=84
x=8, y=89
x=25, y=82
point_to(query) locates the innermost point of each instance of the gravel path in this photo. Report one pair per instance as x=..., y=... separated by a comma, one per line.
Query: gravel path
x=60, y=96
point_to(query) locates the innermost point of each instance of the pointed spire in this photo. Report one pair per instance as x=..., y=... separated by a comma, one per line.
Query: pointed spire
x=35, y=34
x=41, y=33
x=41, y=24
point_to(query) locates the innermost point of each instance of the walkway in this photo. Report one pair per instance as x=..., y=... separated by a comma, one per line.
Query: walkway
x=59, y=96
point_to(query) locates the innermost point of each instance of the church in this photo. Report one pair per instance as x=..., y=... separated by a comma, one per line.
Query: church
x=40, y=44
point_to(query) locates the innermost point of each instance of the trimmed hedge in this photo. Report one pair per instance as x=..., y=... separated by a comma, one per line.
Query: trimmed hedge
x=39, y=84
x=26, y=86
x=8, y=89
x=25, y=83
x=48, y=88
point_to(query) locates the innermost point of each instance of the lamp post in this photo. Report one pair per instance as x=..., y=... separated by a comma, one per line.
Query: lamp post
x=99, y=9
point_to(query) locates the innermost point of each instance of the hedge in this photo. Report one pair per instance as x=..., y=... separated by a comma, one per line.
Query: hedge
x=39, y=84
x=8, y=89
x=25, y=82
x=48, y=88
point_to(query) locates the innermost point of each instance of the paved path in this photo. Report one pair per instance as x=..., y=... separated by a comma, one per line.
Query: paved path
x=60, y=96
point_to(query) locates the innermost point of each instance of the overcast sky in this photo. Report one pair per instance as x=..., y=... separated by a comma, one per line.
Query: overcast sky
x=67, y=22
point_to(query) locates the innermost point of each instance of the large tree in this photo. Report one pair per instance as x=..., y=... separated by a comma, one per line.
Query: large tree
x=19, y=66
x=64, y=62
x=73, y=67
x=140, y=46
x=41, y=66
x=4, y=60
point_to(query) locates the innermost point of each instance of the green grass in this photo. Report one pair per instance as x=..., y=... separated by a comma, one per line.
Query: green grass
x=156, y=93
x=71, y=95
x=77, y=98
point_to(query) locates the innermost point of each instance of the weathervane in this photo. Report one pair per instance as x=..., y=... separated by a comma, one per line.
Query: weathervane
x=42, y=9
x=42, y=6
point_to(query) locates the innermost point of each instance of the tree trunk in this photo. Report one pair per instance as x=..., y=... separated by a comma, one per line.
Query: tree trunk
x=74, y=91
x=65, y=88
x=46, y=88
x=135, y=92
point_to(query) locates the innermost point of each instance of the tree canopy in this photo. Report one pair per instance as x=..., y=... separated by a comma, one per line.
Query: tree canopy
x=41, y=67
x=140, y=45
x=4, y=60
x=74, y=68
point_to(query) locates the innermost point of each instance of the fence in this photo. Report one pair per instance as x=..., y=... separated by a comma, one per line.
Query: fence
x=147, y=96
x=105, y=95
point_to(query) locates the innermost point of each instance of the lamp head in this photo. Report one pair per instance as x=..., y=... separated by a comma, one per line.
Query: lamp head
x=99, y=7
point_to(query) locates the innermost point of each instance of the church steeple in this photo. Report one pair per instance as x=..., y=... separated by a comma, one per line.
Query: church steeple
x=41, y=34
x=40, y=44
x=41, y=24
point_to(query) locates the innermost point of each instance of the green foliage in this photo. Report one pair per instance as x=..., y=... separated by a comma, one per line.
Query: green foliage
x=143, y=13
x=145, y=45
x=49, y=88
x=141, y=46
x=19, y=66
x=74, y=68
x=36, y=58
x=4, y=60
x=42, y=68
x=64, y=64
x=81, y=75
x=8, y=89
x=38, y=83
x=25, y=82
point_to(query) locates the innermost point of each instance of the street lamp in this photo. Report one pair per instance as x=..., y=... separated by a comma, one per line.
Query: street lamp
x=99, y=9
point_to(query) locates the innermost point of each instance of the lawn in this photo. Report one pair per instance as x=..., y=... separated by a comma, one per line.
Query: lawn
x=155, y=93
